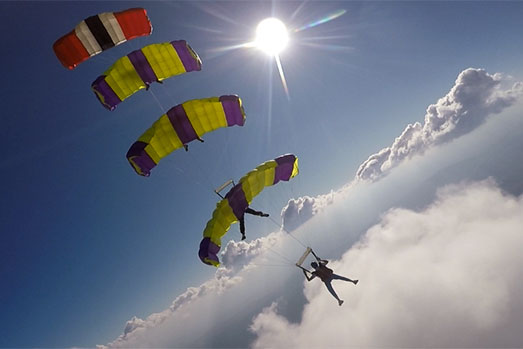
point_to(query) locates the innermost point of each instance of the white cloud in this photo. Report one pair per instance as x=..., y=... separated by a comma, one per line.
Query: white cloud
x=475, y=95
x=135, y=330
x=448, y=276
x=298, y=211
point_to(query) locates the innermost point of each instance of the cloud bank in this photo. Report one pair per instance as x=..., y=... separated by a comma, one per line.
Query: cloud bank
x=235, y=256
x=475, y=95
x=448, y=276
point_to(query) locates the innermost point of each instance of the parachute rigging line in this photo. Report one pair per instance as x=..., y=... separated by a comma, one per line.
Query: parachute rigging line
x=288, y=232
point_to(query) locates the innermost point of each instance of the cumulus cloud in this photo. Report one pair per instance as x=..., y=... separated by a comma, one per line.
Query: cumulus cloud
x=446, y=276
x=238, y=254
x=298, y=211
x=475, y=95
x=136, y=329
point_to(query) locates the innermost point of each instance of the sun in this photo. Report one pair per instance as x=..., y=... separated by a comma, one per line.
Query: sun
x=271, y=36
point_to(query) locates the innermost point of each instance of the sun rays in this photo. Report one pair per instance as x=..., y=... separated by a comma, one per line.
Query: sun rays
x=273, y=37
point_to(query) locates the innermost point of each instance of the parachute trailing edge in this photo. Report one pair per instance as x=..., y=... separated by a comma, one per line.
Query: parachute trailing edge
x=182, y=124
x=238, y=198
x=142, y=67
x=99, y=33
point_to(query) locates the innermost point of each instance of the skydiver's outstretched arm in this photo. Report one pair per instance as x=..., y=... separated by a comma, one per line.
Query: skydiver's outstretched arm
x=256, y=213
x=323, y=261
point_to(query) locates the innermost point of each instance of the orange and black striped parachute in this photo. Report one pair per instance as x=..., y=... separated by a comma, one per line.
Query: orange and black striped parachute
x=99, y=33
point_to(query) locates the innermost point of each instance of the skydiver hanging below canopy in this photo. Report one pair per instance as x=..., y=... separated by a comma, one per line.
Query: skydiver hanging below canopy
x=325, y=274
x=148, y=84
x=186, y=146
x=242, y=220
x=233, y=205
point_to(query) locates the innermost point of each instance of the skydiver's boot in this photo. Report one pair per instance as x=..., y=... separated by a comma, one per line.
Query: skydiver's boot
x=265, y=215
x=243, y=237
x=186, y=147
x=340, y=302
x=355, y=282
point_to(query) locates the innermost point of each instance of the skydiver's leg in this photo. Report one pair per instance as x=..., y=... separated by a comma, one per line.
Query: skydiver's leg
x=186, y=147
x=242, y=228
x=338, y=277
x=256, y=213
x=331, y=290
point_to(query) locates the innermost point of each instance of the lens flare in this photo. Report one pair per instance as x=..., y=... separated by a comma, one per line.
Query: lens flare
x=323, y=20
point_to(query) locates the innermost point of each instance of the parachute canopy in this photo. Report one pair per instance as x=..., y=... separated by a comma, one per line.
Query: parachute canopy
x=99, y=33
x=140, y=68
x=236, y=201
x=182, y=124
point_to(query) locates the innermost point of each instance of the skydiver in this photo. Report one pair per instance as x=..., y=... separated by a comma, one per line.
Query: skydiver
x=148, y=85
x=253, y=212
x=186, y=146
x=326, y=275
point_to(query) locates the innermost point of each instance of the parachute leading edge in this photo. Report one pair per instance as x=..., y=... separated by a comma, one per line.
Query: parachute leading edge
x=140, y=68
x=182, y=124
x=99, y=33
x=236, y=201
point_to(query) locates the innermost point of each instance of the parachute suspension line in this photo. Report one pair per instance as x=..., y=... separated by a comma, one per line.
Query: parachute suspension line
x=187, y=176
x=288, y=232
x=194, y=160
x=272, y=265
x=230, y=163
x=158, y=101
x=272, y=205
x=202, y=171
x=281, y=256
x=109, y=58
x=291, y=188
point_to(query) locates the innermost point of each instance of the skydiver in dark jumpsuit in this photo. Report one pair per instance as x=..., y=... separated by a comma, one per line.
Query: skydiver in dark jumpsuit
x=326, y=275
x=253, y=212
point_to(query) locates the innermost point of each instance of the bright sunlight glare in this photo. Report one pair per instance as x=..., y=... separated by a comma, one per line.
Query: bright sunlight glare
x=271, y=36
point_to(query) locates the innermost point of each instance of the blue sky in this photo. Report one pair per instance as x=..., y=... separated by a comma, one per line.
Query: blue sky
x=86, y=244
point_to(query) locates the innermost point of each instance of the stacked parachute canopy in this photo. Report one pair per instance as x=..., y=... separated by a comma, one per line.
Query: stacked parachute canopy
x=99, y=33
x=236, y=201
x=182, y=124
x=140, y=68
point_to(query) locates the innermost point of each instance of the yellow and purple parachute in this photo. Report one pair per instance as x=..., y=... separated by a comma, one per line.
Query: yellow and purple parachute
x=142, y=67
x=182, y=124
x=236, y=201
